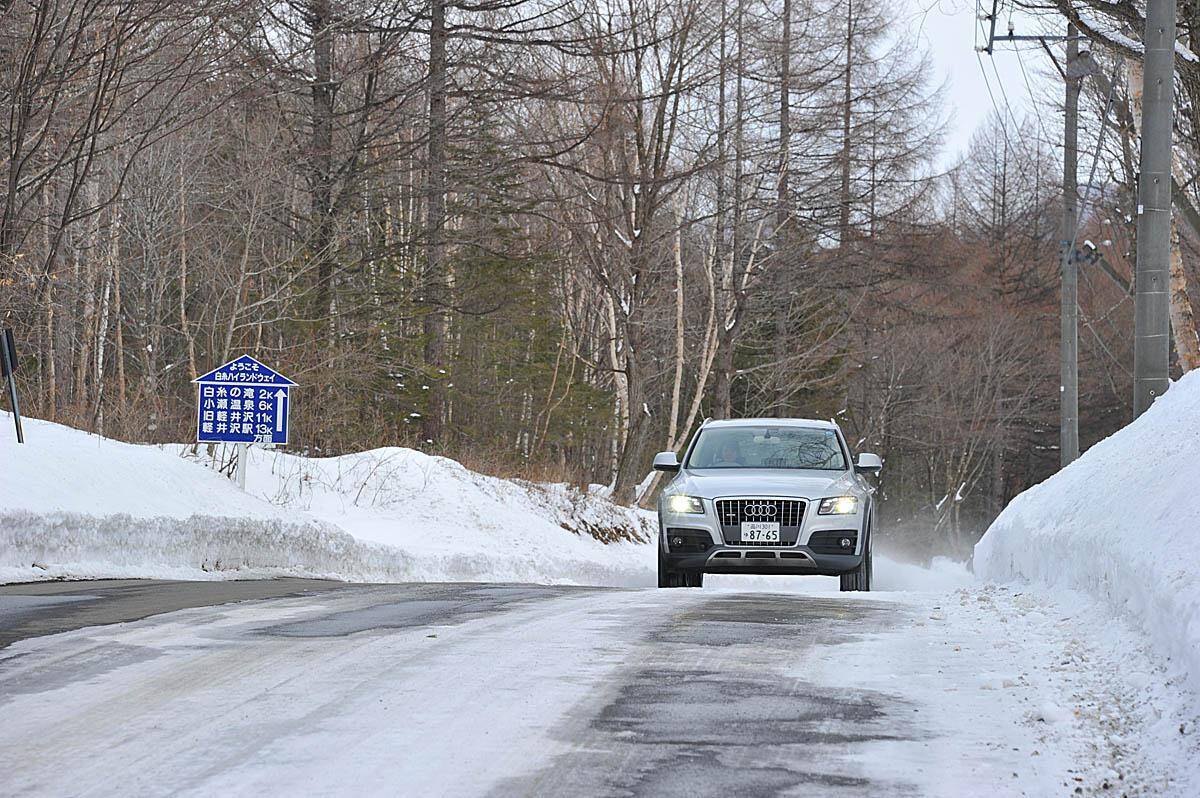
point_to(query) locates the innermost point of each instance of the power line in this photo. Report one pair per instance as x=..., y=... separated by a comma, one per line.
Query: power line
x=1069, y=342
x=1037, y=111
x=1112, y=90
x=995, y=105
x=1004, y=94
x=980, y=19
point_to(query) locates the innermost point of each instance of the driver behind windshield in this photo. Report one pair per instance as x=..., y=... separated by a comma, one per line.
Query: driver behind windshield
x=729, y=457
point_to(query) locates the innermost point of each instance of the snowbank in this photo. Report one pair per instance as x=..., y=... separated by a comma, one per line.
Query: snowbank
x=1121, y=524
x=58, y=545
x=456, y=524
x=64, y=470
x=76, y=505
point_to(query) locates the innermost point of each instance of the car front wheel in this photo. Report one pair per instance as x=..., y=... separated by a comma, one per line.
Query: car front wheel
x=671, y=578
x=860, y=577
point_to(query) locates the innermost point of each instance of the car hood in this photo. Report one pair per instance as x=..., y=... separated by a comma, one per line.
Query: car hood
x=715, y=482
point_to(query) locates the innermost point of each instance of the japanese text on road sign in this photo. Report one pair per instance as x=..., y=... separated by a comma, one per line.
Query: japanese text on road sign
x=243, y=402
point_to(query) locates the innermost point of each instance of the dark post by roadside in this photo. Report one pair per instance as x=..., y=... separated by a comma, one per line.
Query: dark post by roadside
x=8, y=360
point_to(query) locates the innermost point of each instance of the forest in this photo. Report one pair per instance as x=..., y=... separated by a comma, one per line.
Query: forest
x=548, y=239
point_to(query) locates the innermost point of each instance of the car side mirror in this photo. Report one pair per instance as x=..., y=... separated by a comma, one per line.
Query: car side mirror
x=666, y=461
x=869, y=462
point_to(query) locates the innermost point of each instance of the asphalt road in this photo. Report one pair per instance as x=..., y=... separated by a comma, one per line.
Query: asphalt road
x=45, y=608
x=710, y=707
x=316, y=688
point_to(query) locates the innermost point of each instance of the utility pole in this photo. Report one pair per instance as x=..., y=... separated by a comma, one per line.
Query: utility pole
x=1151, y=345
x=1068, y=353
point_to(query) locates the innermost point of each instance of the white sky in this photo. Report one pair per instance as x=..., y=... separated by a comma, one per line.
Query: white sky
x=946, y=28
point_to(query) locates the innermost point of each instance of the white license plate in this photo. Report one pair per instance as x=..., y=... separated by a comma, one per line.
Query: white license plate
x=760, y=532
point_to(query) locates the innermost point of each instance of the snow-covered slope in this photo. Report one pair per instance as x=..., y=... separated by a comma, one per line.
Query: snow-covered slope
x=1121, y=524
x=61, y=469
x=457, y=524
x=76, y=505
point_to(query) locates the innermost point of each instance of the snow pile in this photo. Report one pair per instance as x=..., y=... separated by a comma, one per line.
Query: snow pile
x=456, y=524
x=1120, y=524
x=64, y=545
x=63, y=470
x=76, y=505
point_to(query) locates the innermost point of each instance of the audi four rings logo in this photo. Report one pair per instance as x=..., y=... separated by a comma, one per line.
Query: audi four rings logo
x=767, y=510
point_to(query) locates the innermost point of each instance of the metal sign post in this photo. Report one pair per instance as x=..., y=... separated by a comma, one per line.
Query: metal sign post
x=8, y=359
x=243, y=402
x=243, y=453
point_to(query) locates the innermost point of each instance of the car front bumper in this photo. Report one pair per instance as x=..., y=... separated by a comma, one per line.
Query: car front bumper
x=791, y=560
x=722, y=557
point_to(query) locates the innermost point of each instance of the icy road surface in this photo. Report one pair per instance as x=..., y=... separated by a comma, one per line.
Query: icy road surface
x=309, y=688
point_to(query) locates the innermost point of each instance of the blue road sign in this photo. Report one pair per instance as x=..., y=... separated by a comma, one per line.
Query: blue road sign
x=243, y=402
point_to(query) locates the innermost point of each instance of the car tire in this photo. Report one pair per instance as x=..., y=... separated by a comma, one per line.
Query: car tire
x=860, y=578
x=670, y=578
x=667, y=577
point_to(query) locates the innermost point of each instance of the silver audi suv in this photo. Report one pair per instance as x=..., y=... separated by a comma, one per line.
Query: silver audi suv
x=766, y=496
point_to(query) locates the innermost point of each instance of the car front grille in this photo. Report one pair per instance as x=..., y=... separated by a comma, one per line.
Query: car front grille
x=788, y=513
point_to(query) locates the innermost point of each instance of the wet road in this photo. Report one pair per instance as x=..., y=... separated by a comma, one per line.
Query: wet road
x=317, y=688
x=711, y=706
x=43, y=608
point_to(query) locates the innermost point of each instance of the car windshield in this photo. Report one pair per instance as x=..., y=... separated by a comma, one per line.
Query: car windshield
x=767, y=447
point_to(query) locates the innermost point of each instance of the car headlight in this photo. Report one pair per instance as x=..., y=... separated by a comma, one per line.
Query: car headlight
x=838, y=505
x=684, y=504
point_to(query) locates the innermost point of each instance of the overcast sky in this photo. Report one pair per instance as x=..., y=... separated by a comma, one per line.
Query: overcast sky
x=946, y=28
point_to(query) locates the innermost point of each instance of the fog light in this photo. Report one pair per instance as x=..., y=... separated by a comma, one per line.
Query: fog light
x=676, y=541
x=846, y=543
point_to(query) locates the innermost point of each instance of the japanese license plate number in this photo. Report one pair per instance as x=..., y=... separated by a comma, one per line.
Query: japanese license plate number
x=760, y=532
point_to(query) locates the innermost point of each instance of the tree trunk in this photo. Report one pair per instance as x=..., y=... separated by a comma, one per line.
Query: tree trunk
x=86, y=276
x=435, y=278
x=677, y=380
x=631, y=463
x=785, y=122
x=844, y=199
x=323, y=90
x=1183, y=322
x=783, y=264
x=51, y=351
x=680, y=351
x=724, y=364
x=102, y=327
x=620, y=381
x=114, y=248
x=242, y=281
x=184, y=325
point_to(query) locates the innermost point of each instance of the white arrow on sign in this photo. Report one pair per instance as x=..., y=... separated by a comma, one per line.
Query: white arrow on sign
x=280, y=395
